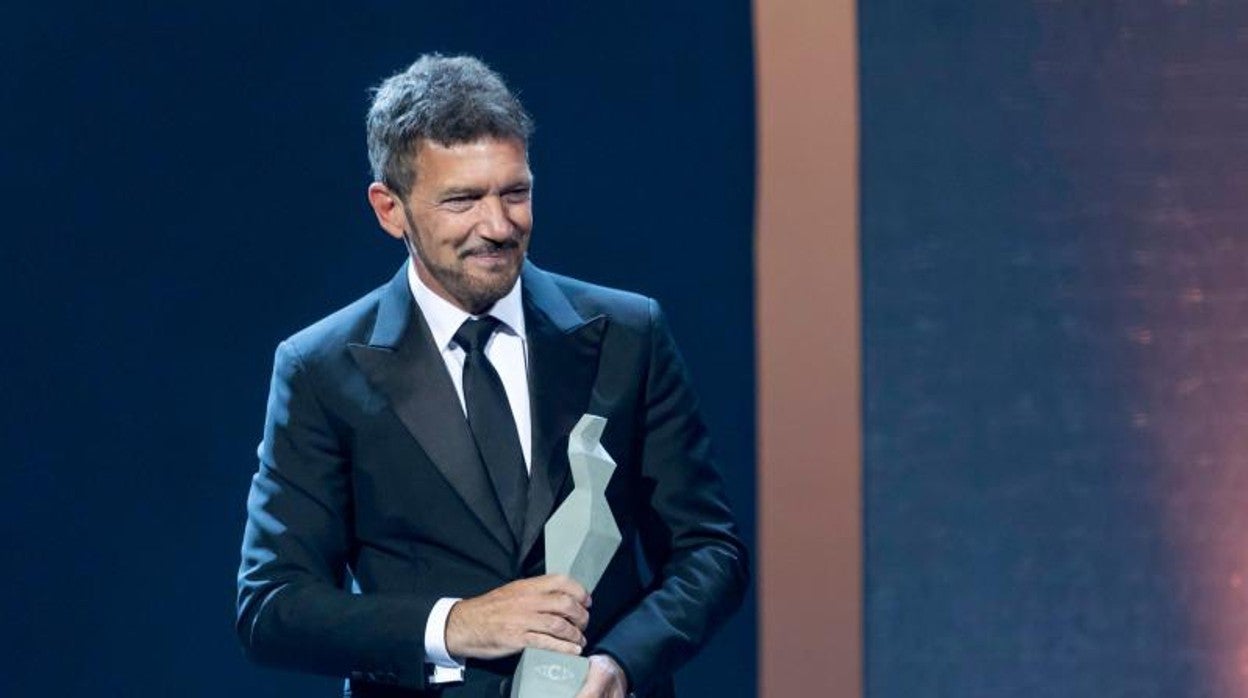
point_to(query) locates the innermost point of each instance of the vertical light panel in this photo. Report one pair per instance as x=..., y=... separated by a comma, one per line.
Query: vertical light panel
x=809, y=368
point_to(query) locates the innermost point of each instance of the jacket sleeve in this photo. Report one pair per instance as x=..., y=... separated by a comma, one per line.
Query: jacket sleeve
x=293, y=608
x=686, y=527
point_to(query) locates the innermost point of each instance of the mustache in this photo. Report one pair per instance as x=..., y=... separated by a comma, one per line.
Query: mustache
x=489, y=247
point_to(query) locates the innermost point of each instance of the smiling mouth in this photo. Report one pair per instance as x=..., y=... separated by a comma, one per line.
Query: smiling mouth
x=492, y=262
x=493, y=253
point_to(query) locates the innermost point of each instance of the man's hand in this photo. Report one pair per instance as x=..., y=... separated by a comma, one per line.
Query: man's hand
x=605, y=680
x=549, y=612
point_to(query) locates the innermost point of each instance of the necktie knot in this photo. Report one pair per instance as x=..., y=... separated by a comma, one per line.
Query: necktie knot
x=475, y=332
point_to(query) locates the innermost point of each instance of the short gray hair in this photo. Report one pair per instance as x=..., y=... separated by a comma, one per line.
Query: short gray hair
x=446, y=100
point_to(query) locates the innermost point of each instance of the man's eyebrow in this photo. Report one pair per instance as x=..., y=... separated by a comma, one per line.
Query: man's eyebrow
x=457, y=192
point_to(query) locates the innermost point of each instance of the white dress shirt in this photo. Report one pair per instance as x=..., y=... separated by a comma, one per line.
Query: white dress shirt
x=507, y=350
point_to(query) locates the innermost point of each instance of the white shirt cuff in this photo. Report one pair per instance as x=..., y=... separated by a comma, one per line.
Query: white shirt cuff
x=445, y=667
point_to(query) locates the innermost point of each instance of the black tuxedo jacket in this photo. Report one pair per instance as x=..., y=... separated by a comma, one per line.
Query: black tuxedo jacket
x=370, y=502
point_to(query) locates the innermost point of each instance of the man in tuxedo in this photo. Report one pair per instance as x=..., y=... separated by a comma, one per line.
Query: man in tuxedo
x=415, y=441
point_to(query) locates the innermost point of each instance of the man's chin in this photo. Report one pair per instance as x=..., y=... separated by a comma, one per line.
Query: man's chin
x=491, y=271
x=484, y=290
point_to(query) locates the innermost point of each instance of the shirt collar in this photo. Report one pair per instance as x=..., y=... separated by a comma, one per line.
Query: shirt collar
x=444, y=318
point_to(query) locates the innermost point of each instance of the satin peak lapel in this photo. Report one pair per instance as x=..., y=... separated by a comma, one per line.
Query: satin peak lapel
x=401, y=362
x=563, y=364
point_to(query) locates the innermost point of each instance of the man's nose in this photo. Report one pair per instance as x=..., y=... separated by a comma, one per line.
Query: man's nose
x=495, y=223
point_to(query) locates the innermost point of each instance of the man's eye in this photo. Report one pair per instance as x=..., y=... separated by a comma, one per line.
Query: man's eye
x=459, y=203
x=516, y=196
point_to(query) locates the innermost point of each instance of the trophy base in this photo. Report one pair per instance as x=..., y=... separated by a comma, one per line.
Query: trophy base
x=546, y=674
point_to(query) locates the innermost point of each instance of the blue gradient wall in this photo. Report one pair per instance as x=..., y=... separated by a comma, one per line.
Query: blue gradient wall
x=1054, y=304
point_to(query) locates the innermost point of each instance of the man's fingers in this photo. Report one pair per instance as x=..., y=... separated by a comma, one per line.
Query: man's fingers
x=563, y=584
x=560, y=629
x=578, y=616
x=595, y=686
x=546, y=642
x=605, y=679
x=564, y=607
x=547, y=612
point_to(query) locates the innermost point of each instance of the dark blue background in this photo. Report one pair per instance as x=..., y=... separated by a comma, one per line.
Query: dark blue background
x=184, y=187
x=1055, y=355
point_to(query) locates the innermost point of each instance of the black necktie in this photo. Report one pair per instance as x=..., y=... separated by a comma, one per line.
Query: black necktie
x=492, y=424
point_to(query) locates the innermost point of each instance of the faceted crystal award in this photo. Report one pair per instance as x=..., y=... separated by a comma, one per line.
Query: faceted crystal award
x=581, y=539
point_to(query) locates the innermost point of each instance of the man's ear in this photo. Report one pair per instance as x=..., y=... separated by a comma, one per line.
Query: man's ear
x=389, y=209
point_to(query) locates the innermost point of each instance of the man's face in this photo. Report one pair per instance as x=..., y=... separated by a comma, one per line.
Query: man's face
x=469, y=216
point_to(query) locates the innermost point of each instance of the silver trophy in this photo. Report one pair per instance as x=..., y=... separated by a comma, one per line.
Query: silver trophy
x=581, y=539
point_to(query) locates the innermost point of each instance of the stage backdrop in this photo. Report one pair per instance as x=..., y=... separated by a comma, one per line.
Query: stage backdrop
x=184, y=187
x=1056, y=348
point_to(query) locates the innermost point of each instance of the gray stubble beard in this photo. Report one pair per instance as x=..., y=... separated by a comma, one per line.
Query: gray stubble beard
x=476, y=298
